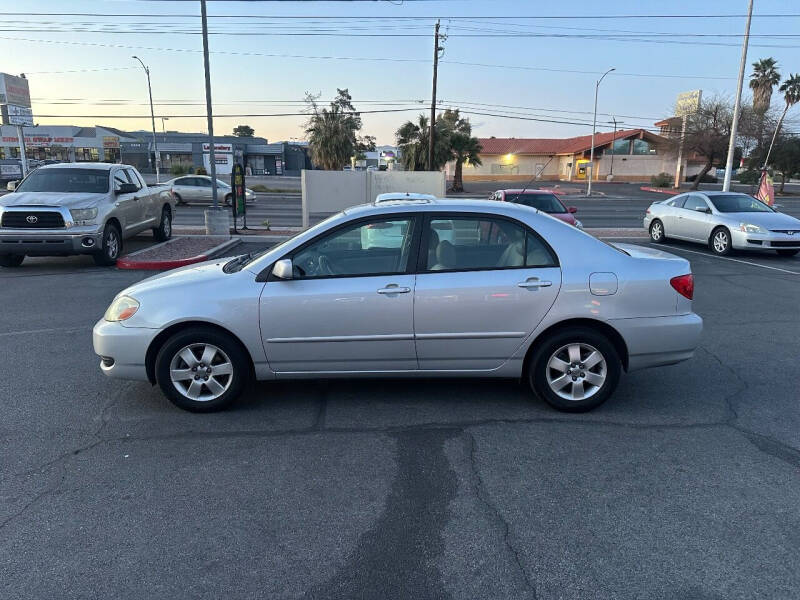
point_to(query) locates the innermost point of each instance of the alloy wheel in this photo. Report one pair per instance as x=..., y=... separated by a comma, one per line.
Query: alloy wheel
x=112, y=243
x=576, y=371
x=656, y=231
x=720, y=241
x=201, y=372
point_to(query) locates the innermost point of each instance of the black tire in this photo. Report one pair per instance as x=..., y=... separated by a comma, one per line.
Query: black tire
x=164, y=230
x=657, y=235
x=228, y=199
x=787, y=252
x=715, y=243
x=110, y=247
x=178, y=200
x=11, y=261
x=239, y=377
x=538, y=369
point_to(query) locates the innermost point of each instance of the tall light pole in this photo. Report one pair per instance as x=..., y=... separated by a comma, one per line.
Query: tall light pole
x=726, y=182
x=212, y=159
x=594, y=126
x=152, y=118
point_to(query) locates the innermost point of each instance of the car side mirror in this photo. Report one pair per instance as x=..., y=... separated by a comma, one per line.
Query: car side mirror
x=126, y=188
x=703, y=209
x=283, y=269
x=11, y=186
x=572, y=210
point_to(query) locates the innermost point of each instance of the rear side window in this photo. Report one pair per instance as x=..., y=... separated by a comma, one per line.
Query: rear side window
x=677, y=202
x=482, y=243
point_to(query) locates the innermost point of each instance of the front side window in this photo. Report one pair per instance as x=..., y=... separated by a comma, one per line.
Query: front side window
x=732, y=203
x=134, y=179
x=377, y=247
x=475, y=243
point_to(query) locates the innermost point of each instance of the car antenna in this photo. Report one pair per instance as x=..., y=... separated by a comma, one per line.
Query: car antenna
x=535, y=175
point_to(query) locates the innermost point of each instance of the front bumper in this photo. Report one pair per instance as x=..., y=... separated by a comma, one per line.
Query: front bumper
x=658, y=341
x=765, y=241
x=122, y=349
x=49, y=242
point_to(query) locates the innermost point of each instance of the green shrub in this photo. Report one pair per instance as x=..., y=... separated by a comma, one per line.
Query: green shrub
x=661, y=180
x=200, y=171
x=751, y=176
x=179, y=170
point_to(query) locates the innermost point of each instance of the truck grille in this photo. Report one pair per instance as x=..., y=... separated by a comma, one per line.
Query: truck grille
x=33, y=219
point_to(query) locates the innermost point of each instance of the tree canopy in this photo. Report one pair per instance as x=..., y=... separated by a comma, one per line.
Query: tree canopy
x=333, y=132
x=243, y=131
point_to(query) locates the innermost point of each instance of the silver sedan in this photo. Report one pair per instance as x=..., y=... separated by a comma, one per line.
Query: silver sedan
x=197, y=188
x=724, y=221
x=439, y=288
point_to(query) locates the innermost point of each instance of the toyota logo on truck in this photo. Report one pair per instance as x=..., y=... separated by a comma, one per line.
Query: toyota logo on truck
x=32, y=219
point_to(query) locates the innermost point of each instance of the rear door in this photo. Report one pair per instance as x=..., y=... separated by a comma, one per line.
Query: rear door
x=481, y=292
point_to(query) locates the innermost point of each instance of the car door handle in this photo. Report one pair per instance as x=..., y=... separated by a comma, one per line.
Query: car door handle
x=393, y=288
x=534, y=283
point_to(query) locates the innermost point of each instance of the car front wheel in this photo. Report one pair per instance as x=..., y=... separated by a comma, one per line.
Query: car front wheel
x=575, y=370
x=202, y=370
x=720, y=242
x=657, y=231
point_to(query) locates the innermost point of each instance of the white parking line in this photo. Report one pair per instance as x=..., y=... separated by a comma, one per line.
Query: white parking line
x=745, y=262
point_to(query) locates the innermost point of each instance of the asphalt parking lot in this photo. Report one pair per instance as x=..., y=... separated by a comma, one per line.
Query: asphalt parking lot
x=684, y=485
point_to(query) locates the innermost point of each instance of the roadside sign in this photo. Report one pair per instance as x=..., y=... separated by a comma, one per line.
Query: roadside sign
x=239, y=191
x=688, y=102
x=14, y=90
x=16, y=115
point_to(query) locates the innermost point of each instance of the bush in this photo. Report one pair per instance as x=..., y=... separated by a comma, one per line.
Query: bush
x=200, y=171
x=661, y=180
x=179, y=170
x=751, y=176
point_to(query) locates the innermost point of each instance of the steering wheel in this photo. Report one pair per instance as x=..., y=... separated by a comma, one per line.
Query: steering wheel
x=324, y=265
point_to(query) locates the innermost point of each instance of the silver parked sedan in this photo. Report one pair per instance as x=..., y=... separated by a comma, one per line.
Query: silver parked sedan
x=197, y=188
x=508, y=292
x=724, y=221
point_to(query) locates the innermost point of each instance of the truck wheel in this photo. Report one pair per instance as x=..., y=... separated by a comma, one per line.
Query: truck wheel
x=11, y=260
x=164, y=230
x=111, y=247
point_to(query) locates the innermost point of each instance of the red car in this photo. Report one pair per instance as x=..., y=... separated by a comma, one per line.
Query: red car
x=541, y=200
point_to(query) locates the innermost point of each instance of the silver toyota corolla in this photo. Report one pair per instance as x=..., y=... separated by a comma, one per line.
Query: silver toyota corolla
x=426, y=288
x=724, y=221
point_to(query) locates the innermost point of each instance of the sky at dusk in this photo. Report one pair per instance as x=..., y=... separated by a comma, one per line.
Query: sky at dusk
x=493, y=68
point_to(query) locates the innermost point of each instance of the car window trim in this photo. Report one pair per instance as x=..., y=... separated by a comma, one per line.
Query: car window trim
x=416, y=221
x=430, y=216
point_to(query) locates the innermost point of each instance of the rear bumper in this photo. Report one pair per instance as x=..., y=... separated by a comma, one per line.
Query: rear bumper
x=658, y=341
x=48, y=242
x=122, y=349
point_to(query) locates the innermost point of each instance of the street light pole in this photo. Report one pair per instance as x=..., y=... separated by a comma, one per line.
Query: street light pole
x=726, y=183
x=212, y=159
x=152, y=118
x=594, y=126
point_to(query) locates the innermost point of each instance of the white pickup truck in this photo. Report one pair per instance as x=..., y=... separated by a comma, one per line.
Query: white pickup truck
x=80, y=208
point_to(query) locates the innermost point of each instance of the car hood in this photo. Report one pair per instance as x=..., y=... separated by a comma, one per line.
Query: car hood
x=198, y=273
x=51, y=199
x=765, y=220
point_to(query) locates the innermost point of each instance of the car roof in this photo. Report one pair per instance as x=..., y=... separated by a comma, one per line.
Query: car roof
x=403, y=196
x=437, y=205
x=527, y=191
x=83, y=165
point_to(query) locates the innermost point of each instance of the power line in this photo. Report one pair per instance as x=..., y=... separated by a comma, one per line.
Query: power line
x=411, y=17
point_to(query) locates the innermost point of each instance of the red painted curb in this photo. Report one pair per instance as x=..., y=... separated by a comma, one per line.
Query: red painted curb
x=159, y=265
x=646, y=188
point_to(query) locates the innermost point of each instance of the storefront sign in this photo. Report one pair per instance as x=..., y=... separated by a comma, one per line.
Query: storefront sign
x=10, y=171
x=222, y=148
x=14, y=90
x=110, y=141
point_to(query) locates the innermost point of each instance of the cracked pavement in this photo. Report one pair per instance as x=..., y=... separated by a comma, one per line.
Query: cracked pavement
x=684, y=485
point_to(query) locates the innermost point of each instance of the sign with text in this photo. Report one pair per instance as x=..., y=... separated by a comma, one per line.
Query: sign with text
x=14, y=90
x=222, y=148
x=688, y=102
x=16, y=115
x=110, y=141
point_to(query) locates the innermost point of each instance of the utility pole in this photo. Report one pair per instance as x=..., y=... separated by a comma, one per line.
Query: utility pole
x=22, y=158
x=726, y=183
x=212, y=159
x=594, y=126
x=613, y=141
x=432, y=138
x=677, y=183
x=156, y=156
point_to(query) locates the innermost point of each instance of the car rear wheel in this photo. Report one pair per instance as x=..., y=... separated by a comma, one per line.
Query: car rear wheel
x=657, y=232
x=164, y=230
x=178, y=199
x=720, y=242
x=11, y=260
x=110, y=248
x=787, y=252
x=575, y=370
x=202, y=370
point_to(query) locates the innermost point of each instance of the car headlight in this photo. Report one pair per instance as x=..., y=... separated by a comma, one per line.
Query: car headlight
x=83, y=216
x=578, y=224
x=121, y=309
x=750, y=228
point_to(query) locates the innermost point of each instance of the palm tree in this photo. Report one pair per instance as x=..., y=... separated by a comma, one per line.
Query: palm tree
x=764, y=77
x=412, y=140
x=332, y=132
x=791, y=96
x=464, y=148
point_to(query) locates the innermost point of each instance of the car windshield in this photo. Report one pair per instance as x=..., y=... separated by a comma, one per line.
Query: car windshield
x=69, y=181
x=545, y=202
x=223, y=184
x=735, y=203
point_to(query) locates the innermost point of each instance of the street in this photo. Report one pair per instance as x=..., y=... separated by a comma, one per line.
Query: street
x=683, y=485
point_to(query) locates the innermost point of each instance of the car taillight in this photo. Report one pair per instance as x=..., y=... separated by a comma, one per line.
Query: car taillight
x=684, y=285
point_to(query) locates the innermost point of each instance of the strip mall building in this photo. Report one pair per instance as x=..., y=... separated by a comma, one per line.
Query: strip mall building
x=628, y=155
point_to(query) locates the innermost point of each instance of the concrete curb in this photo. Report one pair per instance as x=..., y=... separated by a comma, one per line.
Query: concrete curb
x=164, y=265
x=647, y=188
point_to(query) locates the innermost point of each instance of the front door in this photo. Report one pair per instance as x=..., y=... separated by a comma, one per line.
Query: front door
x=480, y=292
x=694, y=223
x=128, y=205
x=349, y=305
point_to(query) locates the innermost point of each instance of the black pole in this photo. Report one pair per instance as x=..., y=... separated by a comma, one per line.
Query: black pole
x=432, y=137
